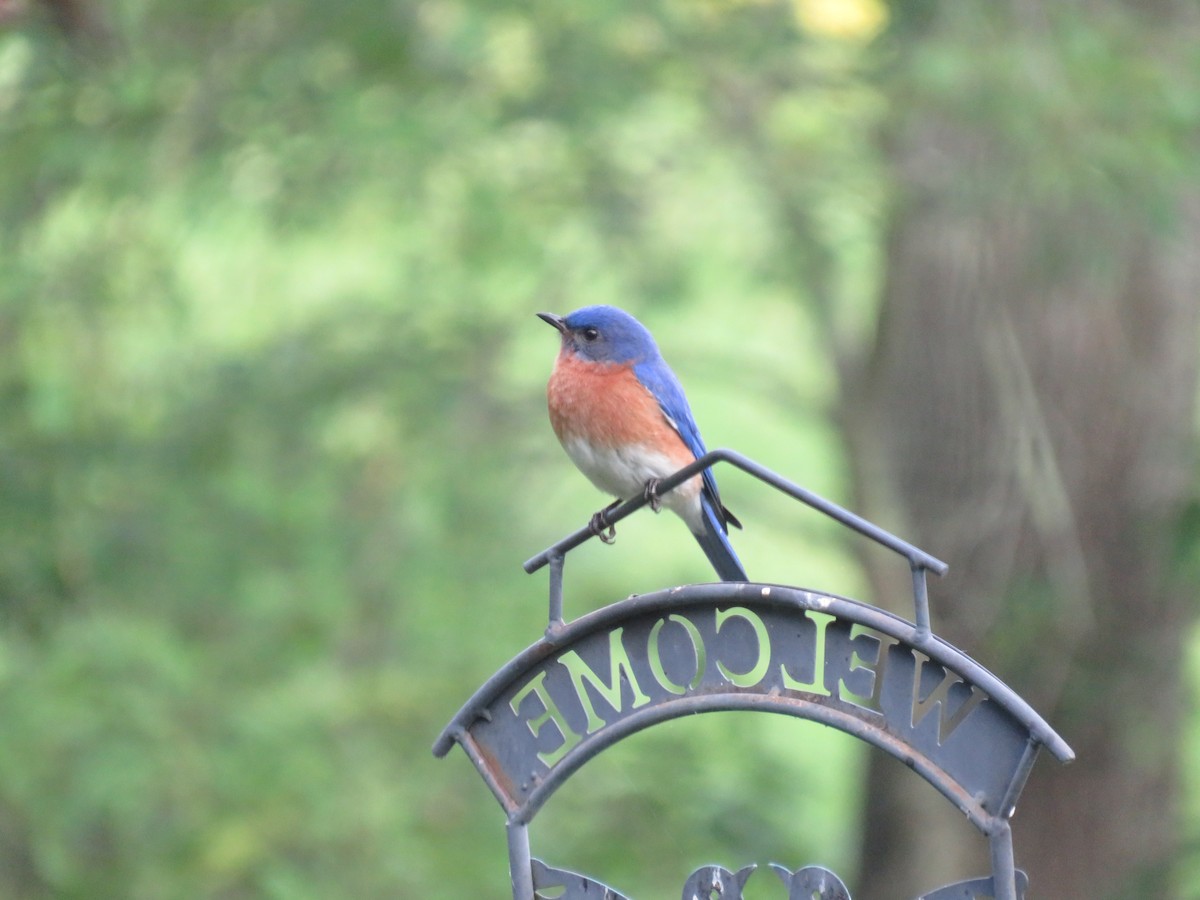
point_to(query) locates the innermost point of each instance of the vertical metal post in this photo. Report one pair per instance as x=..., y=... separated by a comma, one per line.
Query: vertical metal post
x=556, y=593
x=1004, y=869
x=921, y=600
x=520, y=866
x=1008, y=804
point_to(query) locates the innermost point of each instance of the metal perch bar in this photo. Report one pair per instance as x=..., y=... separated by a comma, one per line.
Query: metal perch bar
x=918, y=560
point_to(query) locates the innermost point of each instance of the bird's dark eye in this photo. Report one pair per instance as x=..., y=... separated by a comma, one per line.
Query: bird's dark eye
x=590, y=333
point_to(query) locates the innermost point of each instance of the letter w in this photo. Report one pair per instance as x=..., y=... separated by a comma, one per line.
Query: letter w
x=940, y=697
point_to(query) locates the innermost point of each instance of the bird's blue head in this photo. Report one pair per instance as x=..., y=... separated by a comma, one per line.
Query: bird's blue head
x=604, y=334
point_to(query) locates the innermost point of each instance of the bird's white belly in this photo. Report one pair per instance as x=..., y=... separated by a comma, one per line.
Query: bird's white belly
x=624, y=471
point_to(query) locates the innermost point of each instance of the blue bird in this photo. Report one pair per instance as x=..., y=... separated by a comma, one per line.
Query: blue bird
x=621, y=415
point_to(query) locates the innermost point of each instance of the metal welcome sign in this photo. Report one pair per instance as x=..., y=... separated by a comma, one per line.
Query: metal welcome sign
x=742, y=646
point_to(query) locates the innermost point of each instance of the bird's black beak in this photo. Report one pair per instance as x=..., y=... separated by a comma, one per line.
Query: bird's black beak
x=557, y=321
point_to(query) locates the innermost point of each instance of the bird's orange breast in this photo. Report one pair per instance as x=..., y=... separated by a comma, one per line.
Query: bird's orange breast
x=605, y=405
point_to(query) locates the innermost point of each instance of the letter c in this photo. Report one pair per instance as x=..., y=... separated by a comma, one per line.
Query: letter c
x=759, y=670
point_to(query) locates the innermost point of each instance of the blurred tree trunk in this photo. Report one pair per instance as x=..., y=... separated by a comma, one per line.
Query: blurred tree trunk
x=1026, y=413
x=84, y=22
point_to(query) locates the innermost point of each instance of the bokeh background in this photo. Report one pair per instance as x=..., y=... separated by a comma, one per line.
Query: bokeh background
x=273, y=443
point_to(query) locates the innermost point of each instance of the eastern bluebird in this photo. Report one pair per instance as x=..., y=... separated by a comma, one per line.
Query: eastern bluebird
x=621, y=415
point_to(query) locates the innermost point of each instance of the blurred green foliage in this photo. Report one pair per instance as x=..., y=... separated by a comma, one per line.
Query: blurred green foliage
x=273, y=441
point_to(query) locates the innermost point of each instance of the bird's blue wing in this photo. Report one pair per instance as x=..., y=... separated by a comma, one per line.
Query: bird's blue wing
x=714, y=541
x=662, y=383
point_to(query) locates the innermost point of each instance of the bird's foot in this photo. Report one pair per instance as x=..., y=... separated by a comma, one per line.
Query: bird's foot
x=601, y=527
x=651, y=494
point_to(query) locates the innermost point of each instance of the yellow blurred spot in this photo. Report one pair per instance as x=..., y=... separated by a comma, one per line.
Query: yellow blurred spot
x=857, y=20
x=512, y=55
x=233, y=848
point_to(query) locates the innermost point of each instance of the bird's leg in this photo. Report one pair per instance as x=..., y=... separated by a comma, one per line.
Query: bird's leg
x=601, y=527
x=651, y=494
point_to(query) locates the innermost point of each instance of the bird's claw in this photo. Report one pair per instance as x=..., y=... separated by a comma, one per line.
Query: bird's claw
x=602, y=528
x=651, y=494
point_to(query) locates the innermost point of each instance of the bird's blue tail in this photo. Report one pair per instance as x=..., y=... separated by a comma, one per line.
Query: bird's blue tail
x=715, y=544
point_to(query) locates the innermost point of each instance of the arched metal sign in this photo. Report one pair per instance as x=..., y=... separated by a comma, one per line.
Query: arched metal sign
x=738, y=646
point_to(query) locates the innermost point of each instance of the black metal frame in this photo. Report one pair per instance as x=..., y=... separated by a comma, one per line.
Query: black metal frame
x=918, y=560
x=865, y=646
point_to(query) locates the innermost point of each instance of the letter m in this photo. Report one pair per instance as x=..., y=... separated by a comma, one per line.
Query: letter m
x=619, y=668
